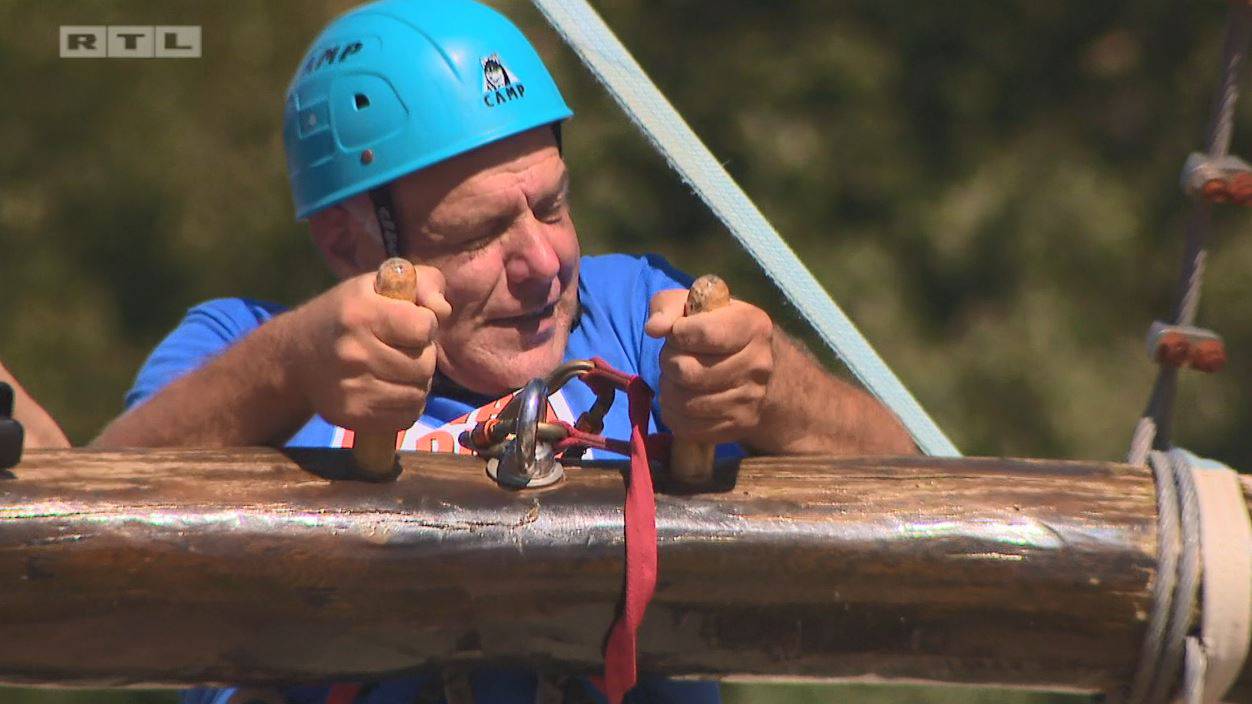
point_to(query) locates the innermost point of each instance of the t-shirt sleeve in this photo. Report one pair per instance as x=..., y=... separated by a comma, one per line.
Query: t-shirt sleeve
x=206, y=331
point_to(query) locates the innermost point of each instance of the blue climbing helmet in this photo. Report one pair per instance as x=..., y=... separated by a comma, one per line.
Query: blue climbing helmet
x=397, y=85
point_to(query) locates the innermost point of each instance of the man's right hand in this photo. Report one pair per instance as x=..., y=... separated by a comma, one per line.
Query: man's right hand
x=364, y=361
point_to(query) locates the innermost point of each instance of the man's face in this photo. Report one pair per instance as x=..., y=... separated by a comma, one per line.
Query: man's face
x=496, y=222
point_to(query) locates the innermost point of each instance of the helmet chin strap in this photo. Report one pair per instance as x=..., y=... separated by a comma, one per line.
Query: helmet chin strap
x=388, y=225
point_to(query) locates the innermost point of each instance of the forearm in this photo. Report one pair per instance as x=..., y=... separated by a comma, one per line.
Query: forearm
x=807, y=410
x=244, y=396
x=40, y=428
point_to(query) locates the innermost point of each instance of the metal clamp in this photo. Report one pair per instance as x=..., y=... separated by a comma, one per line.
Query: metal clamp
x=1184, y=345
x=12, y=436
x=1224, y=180
x=526, y=462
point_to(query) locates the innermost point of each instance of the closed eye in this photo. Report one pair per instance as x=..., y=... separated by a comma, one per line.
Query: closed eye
x=552, y=208
x=477, y=243
x=551, y=212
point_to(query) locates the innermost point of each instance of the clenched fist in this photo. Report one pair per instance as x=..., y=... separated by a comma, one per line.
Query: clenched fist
x=364, y=361
x=715, y=367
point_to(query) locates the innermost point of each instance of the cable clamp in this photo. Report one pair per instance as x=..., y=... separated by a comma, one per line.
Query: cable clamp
x=1224, y=180
x=1186, y=346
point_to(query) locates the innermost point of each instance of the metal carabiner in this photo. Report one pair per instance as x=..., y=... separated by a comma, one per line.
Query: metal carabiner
x=526, y=462
x=564, y=373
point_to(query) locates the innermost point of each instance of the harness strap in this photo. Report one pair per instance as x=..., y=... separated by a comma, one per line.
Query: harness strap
x=613, y=66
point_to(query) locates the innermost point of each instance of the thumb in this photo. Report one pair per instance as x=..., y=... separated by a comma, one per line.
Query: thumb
x=666, y=308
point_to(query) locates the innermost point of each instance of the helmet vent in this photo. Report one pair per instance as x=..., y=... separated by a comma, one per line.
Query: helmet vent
x=362, y=101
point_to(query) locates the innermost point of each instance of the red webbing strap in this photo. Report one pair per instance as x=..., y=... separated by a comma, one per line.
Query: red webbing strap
x=618, y=378
x=620, y=649
x=343, y=693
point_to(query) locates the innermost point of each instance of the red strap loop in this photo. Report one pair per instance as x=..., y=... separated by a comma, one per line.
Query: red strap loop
x=622, y=644
x=621, y=647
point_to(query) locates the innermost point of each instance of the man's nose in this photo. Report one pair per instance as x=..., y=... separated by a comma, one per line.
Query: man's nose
x=532, y=258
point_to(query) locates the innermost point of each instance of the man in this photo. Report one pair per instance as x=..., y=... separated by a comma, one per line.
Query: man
x=432, y=129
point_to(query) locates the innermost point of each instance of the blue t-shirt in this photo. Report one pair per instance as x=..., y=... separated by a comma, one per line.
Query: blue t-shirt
x=614, y=293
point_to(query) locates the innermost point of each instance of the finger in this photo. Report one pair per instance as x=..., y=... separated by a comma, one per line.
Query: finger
x=372, y=405
x=404, y=324
x=404, y=365
x=725, y=330
x=664, y=308
x=397, y=401
x=430, y=292
x=715, y=372
x=741, y=403
x=404, y=401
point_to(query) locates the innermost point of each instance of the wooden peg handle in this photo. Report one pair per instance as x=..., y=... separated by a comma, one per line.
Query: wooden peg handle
x=375, y=453
x=691, y=462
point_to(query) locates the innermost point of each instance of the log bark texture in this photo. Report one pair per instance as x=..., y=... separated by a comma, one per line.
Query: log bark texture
x=166, y=567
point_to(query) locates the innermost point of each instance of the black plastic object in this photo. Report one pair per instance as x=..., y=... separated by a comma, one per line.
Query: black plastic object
x=11, y=433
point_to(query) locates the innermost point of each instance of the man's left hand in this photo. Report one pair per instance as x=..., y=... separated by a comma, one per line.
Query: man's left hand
x=715, y=367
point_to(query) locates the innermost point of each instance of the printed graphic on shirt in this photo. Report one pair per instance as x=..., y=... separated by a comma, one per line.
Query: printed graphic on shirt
x=424, y=437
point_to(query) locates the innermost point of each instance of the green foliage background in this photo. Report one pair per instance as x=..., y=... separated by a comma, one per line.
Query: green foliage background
x=990, y=189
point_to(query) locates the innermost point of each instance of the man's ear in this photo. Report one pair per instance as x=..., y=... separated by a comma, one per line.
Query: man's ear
x=345, y=234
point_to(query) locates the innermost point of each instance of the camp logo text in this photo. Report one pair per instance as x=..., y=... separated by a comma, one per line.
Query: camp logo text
x=500, y=85
x=331, y=55
x=130, y=42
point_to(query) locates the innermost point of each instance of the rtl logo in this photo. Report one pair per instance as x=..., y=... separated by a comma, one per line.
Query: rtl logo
x=117, y=42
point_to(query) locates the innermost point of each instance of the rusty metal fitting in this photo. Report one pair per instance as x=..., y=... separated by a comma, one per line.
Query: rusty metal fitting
x=1208, y=356
x=1224, y=180
x=1215, y=191
x=1184, y=345
x=1173, y=348
x=1241, y=189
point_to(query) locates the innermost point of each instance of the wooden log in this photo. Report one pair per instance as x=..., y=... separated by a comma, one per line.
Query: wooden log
x=166, y=567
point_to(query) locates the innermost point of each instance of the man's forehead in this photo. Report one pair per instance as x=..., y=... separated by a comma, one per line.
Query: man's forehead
x=530, y=159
